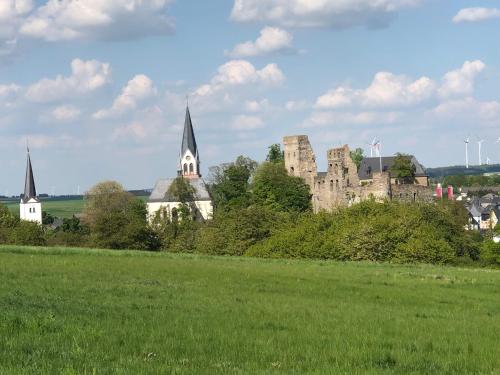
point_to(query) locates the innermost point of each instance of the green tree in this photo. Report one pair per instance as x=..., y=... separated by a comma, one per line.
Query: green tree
x=273, y=187
x=403, y=169
x=357, y=156
x=117, y=219
x=230, y=186
x=275, y=155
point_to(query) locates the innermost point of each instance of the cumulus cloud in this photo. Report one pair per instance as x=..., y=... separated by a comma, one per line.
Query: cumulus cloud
x=239, y=73
x=320, y=13
x=246, y=123
x=95, y=19
x=65, y=113
x=139, y=88
x=257, y=105
x=12, y=13
x=271, y=40
x=468, y=109
x=331, y=118
x=8, y=91
x=388, y=90
x=86, y=77
x=461, y=81
x=476, y=14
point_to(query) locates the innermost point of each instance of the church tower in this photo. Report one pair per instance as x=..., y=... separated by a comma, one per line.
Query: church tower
x=189, y=159
x=30, y=208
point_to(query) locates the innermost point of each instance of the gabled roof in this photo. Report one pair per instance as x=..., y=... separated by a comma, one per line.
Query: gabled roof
x=160, y=192
x=188, y=139
x=29, y=184
x=372, y=165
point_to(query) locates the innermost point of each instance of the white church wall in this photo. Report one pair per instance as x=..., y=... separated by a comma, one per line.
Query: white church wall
x=31, y=211
x=204, y=207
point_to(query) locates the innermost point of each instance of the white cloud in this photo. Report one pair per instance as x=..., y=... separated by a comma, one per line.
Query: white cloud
x=257, y=106
x=245, y=122
x=468, y=109
x=11, y=16
x=86, y=77
x=334, y=118
x=8, y=91
x=386, y=90
x=98, y=19
x=239, y=73
x=319, y=13
x=271, y=40
x=135, y=130
x=461, y=81
x=65, y=113
x=137, y=89
x=476, y=14
x=297, y=105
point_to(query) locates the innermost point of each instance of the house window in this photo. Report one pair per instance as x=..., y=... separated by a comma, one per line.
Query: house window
x=337, y=183
x=185, y=168
x=191, y=168
x=331, y=185
x=292, y=169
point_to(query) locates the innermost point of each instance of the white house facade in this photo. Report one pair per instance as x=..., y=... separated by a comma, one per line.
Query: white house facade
x=161, y=200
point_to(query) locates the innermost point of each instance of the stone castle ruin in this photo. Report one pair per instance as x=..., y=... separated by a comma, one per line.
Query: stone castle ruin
x=343, y=184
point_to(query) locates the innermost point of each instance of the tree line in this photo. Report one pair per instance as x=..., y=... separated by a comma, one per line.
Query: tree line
x=261, y=211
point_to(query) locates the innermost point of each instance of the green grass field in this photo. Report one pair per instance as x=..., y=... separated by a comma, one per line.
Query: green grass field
x=110, y=312
x=62, y=208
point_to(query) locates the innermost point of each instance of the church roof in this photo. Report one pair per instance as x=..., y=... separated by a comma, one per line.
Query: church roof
x=160, y=191
x=29, y=184
x=188, y=139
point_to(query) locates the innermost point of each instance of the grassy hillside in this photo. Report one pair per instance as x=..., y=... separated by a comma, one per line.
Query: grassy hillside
x=441, y=172
x=85, y=311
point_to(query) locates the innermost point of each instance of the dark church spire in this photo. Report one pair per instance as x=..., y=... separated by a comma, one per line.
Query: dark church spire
x=29, y=185
x=188, y=139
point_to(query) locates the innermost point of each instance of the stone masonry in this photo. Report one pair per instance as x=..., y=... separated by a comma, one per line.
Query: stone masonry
x=340, y=184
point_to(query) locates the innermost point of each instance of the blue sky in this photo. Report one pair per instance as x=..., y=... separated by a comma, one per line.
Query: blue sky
x=98, y=87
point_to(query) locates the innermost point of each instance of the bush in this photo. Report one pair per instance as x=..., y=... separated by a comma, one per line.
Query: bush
x=233, y=232
x=371, y=231
x=490, y=252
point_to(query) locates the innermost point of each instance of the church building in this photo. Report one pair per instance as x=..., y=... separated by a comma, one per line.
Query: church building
x=189, y=169
x=30, y=208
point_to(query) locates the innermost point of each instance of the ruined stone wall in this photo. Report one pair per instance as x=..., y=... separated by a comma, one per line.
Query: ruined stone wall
x=300, y=160
x=340, y=185
x=412, y=193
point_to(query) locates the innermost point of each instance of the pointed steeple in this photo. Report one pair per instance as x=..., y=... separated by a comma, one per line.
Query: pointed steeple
x=29, y=185
x=188, y=139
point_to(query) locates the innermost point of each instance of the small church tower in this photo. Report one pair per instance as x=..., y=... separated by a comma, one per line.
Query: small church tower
x=189, y=159
x=30, y=208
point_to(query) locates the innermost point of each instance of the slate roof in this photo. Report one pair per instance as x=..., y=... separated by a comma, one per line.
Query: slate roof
x=29, y=184
x=372, y=165
x=188, y=139
x=160, y=191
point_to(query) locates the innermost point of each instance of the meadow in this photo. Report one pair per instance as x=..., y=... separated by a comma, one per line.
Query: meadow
x=62, y=208
x=74, y=311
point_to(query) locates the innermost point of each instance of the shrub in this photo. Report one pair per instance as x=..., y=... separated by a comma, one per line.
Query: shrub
x=490, y=252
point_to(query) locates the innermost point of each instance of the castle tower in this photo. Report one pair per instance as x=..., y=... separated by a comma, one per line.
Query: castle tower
x=30, y=208
x=299, y=158
x=189, y=159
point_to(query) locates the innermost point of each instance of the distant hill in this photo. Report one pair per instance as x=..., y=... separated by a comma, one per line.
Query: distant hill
x=460, y=169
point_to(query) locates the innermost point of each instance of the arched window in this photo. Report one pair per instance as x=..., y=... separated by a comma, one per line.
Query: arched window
x=331, y=185
x=185, y=168
x=191, y=168
x=292, y=169
x=175, y=215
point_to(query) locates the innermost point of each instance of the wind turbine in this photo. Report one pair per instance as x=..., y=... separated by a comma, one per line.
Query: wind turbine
x=480, y=144
x=373, y=146
x=467, y=153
